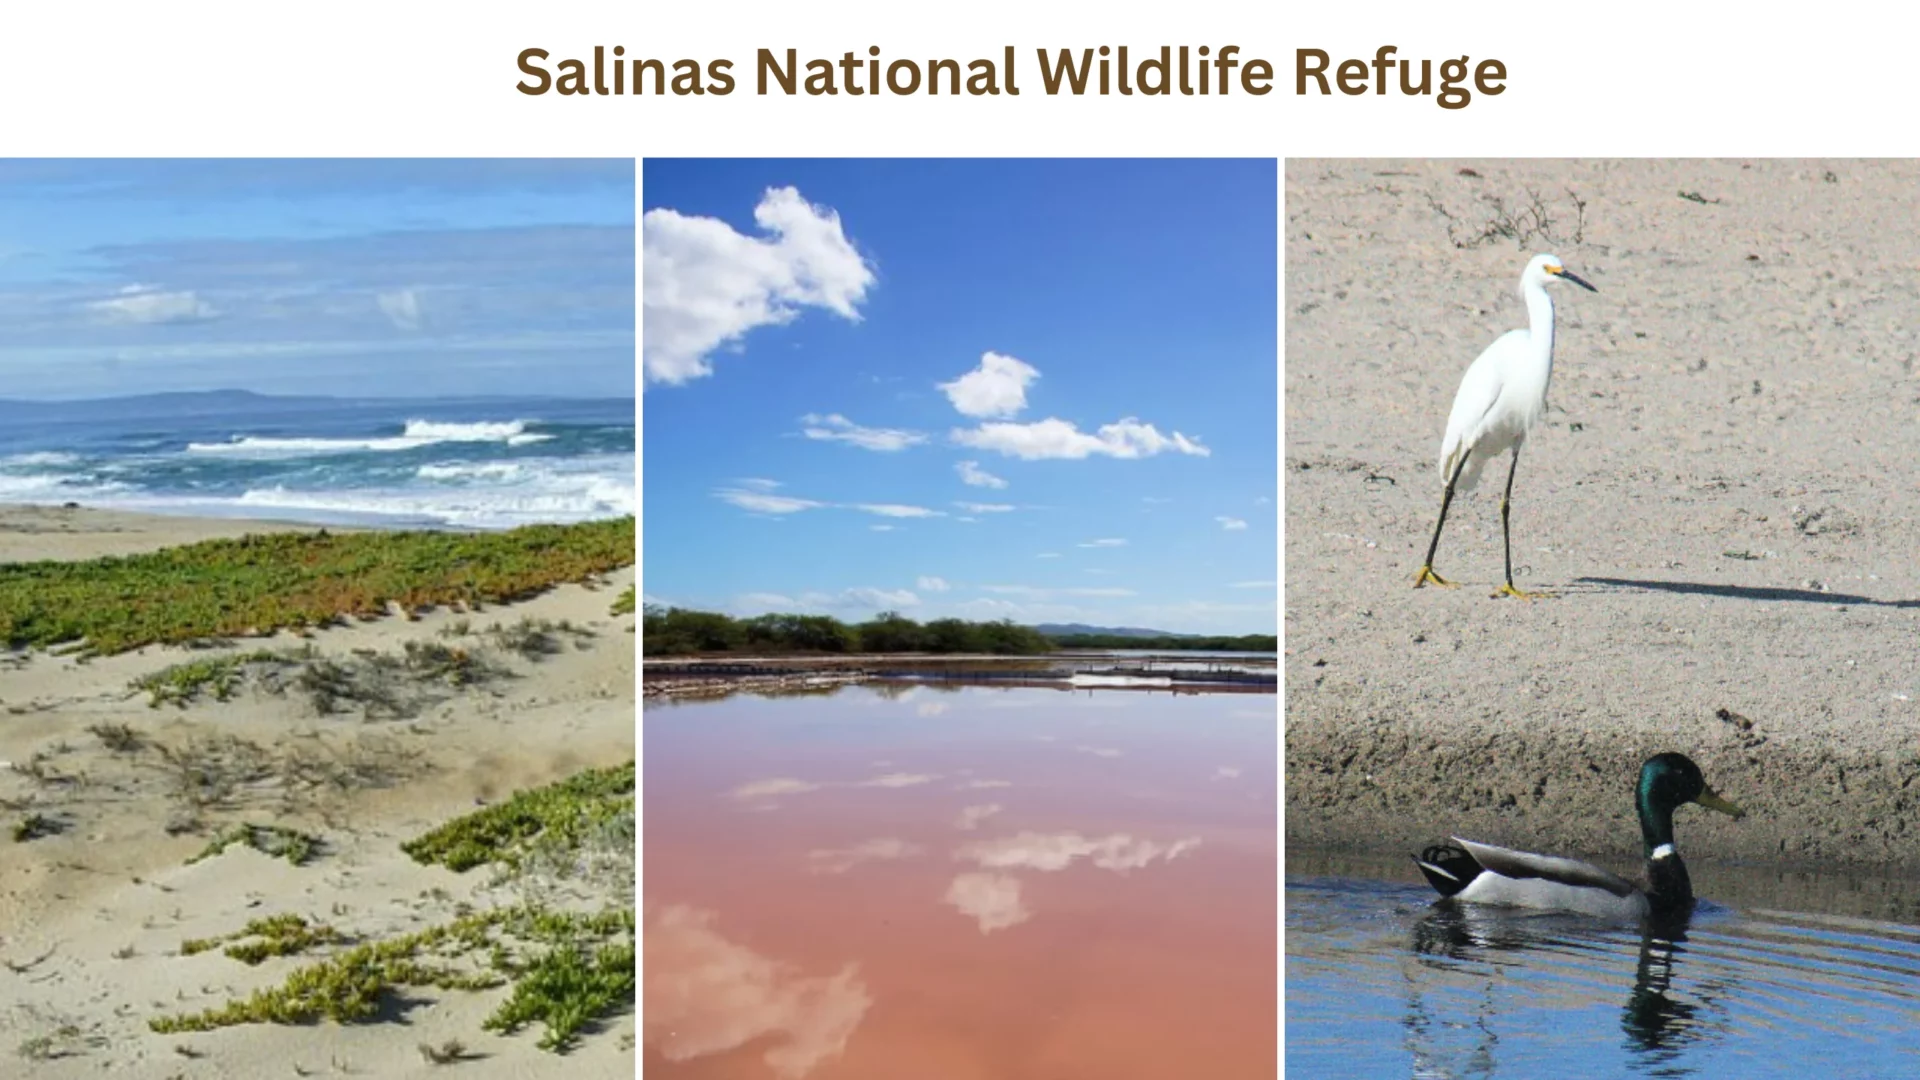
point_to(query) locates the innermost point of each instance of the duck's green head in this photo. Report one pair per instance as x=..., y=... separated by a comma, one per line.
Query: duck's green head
x=1666, y=782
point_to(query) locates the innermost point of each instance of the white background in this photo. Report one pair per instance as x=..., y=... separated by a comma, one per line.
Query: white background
x=411, y=78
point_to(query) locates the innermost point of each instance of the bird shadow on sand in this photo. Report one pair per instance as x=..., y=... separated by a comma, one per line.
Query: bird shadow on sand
x=1742, y=592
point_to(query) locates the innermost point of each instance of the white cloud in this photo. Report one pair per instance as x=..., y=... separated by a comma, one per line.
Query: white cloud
x=1230, y=524
x=148, y=305
x=1100, y=751
x=898, y=510
x=1262, y=501
x=1041, y=593
x=1109, y=542
x=762, y=503
x=971, y=473
x=1054, y=438
x=985, y=508
x=1254, y=584
x=764, y=600
x=836, y=428
x=981, y=785
x=879, y=598
x=883, y=528
x=932, y=584
x=840, y=860
x=930, y=709
x=1056, y=851
x=1226, y=772
x=992, y=899
x=998, y=387
x=705, y=285
x=401, y=307
x=757, y=483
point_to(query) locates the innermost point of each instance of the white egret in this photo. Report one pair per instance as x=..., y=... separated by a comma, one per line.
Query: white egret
x=1502, y=396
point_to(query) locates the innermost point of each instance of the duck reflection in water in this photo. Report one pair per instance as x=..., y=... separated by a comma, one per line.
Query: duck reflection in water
x=1660, y=1024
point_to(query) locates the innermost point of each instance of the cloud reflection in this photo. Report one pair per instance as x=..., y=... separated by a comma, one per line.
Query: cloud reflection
x=971, y=817
x=1056, y=851
x=993, y=899
x=707, y=995
x=892, y=780
x=763, y=789
x=760, y=789
x=840, y=860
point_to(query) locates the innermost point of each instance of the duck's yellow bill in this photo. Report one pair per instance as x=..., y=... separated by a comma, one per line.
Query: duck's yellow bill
x=1714, y=802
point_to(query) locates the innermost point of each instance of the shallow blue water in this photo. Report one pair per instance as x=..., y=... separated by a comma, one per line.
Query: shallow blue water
x=490, y=463
x=1381, y=983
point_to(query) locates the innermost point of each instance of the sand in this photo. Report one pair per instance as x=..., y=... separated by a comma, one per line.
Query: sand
x=28, y=533
x=92, y=919
x=1724, y=494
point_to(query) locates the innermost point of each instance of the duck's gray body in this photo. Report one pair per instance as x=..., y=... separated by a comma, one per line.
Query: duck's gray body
x=1485, y=874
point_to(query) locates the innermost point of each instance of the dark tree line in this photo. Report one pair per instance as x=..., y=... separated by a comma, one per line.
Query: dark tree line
x=670, y=631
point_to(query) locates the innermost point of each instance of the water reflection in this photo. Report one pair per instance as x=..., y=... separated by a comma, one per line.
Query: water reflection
x=1661, y=1019
x=706, y=994
x=1381, y=981
x=993, y=899
x=939, y=894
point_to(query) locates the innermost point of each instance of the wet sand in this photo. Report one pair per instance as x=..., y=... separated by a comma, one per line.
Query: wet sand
x=959, y=883
x=1724, y=494
x=29, y=533
x=92, y=918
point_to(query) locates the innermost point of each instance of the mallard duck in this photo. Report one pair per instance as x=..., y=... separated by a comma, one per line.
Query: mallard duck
x=1484, y=874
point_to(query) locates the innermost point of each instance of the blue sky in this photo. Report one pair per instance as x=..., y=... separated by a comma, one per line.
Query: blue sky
x=1037, y=390
x=357, y=277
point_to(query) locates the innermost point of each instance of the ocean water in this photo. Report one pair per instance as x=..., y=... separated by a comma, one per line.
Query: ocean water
x=474, y=464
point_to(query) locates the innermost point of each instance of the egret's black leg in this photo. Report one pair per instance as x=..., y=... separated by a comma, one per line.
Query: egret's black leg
x=1426, y=569
x=1506, y=533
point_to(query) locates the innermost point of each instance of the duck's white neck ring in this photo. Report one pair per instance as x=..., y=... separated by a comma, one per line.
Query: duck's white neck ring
x=1664, y=851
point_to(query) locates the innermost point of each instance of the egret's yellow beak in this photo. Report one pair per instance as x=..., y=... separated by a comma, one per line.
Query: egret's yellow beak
x=1714, y=802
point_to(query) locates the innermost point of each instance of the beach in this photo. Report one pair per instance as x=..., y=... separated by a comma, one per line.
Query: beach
x=1723, y=495
x=127, y=787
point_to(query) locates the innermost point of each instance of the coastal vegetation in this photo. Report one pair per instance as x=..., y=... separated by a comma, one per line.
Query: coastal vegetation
x=673, y=631
x=256, y=585
x=566, y=958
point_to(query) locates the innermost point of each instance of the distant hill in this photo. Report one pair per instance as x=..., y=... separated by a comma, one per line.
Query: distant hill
x=1079, y=629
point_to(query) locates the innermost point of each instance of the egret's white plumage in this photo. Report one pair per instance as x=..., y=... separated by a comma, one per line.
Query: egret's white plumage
x=1501, y=398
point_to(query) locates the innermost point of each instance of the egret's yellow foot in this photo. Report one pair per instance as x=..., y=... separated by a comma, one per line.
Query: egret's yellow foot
x=1509, y=590
x=1426, y=574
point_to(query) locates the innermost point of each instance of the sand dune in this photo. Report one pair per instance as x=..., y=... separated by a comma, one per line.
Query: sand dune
x=92, y=918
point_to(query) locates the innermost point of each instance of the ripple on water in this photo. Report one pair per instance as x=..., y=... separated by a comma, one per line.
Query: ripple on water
x=1380, y=981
